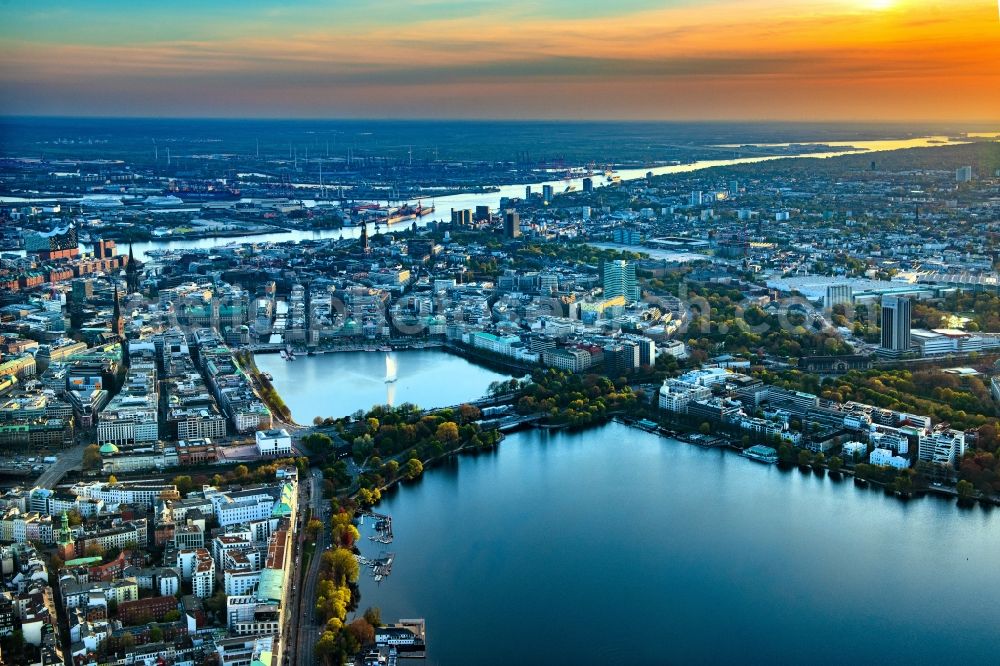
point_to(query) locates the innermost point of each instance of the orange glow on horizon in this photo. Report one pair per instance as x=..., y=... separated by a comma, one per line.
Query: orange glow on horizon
x=823, y=60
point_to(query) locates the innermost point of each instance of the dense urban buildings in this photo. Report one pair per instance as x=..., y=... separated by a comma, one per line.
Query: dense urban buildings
x=826, y=314
x=316, y=351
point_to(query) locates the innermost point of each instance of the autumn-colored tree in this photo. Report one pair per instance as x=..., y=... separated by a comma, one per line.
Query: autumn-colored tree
x=184, y=484
x=369, y=497
x=414, y=468
x=363, y=632
x=345, y=567
x=92, y=457
x=447, y=432
x=326, y=646
x=344, y=532
x=469, y=413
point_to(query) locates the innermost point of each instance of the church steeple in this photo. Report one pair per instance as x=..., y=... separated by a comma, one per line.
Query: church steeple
x=117, y=323
x=132, y=272
x=65, y=542
x=364, y=237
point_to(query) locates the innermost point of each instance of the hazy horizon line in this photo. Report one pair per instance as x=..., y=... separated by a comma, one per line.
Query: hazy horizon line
x=459, y=119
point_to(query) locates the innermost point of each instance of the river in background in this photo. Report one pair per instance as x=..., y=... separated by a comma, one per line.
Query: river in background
x=443, y=205
x=613, y=546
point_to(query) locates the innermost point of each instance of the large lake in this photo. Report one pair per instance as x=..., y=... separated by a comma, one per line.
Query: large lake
x=341, y=383
x=615, y=546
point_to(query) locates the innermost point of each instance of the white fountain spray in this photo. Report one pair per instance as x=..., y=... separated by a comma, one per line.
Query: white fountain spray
x=390, y=368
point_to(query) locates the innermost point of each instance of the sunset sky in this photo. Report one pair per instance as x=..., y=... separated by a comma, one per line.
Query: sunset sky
x=616, y=59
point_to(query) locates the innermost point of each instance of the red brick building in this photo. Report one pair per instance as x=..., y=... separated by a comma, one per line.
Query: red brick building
x=149, y=609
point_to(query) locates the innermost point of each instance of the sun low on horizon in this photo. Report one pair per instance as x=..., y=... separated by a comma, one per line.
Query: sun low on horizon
x=633, y=59
x=878, y=5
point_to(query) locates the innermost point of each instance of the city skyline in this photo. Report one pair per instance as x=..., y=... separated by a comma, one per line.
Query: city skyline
x=900, y=60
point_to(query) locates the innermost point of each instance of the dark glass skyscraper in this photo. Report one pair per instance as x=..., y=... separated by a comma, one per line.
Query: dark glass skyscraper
x=895, y=324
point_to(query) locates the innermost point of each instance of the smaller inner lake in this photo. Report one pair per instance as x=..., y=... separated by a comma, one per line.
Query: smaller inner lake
x=338, y=384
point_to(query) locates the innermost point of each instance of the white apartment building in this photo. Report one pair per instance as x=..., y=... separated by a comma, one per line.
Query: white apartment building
x=125, y=493
x=943, y=447
x=125, y=535
x=203, y=580
x=675, y=348
x=240, y=582
x=225, y=543
x=896, y=443
x=675, y=395
x=885, y=458
x=854, y=450
x=197, y=566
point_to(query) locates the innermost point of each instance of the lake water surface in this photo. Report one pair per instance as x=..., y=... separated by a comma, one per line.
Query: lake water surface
x=341, y=383
x=613, y=546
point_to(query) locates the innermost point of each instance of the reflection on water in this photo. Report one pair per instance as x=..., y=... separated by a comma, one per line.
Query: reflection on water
x=563, y=531
x=341, y=383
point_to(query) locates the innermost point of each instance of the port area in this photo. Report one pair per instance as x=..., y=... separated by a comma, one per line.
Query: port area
x=379, y=566
x=382, y=524
x=406, y=638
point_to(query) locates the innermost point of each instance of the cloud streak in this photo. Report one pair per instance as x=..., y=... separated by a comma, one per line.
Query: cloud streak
x=501, y=60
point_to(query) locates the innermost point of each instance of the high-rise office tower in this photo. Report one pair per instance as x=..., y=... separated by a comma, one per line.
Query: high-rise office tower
x=461, y=218
x=618, y=279
x=547, y=193
x=511, y=224
x=963, y=174
x=895, y=324
x=588, y=184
